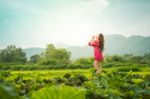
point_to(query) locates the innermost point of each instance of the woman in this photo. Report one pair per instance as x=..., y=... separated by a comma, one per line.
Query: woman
x=97, y=42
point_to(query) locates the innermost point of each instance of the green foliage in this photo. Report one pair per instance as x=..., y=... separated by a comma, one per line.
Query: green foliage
x=127, y=69
x=123, y=77
x=12, y=55
x=130, y=58
x=84, y=61
x=59, y=92
x=13, y=58
x=137, y=58
x=5, y=73
x=8, y=92
x=55, y=56
x=147, y=77
x=35, y=58
x=114, y=58
x=48, y=62
x=111, y=84
x=145, y=59
x=101, y=88
x=48, y=53
x=144, y=94
x=76, y=80
x=67, y=75
x=62, y=56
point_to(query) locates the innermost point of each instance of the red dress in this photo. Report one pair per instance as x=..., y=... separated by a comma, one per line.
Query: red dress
x=98, y=55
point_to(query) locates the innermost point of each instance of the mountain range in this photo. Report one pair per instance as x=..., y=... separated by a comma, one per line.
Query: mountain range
x=114, y=44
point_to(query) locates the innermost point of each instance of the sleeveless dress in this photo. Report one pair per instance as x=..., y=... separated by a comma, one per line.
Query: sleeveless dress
x=98, y=55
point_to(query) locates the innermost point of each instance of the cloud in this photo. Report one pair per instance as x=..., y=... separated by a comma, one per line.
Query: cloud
x=92, y=6
x=104, y=2
x=35, y=8
x=99, y=3
x=19, y=6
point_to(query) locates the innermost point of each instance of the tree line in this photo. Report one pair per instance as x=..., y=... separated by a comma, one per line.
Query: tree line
x=54, y=56
x=51, y=55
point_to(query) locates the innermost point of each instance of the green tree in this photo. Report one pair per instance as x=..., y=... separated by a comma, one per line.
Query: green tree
x=62, y=56
x=12, y=54
x=51, y=55
x=49, y=51
x=35, y=58
x=145, y=59
x=137, y=59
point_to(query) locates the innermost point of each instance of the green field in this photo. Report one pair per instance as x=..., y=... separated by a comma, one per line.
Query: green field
x=114, y=83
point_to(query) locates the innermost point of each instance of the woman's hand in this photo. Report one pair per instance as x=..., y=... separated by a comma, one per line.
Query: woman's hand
x=92, y=40
x=93, y=37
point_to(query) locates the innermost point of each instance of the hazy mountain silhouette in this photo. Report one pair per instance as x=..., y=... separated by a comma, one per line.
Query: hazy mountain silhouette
x=114, y=44
x=32, y=51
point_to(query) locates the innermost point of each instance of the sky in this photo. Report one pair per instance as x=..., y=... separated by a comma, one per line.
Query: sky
x=36, y=23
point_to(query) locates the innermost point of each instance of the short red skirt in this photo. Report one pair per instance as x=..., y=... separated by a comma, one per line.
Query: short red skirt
x=98, y=55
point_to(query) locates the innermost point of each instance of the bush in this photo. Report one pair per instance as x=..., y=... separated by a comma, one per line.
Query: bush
x=108, y=65
x=48, y=62
x=7, y=92
x=127, y=69
x=67, y=75
x=114, y=58
x=76, y=80
x=147, y=77
x=59, y=92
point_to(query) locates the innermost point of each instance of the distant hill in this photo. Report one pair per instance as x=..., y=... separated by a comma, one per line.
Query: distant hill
x=32, y=51
x=118, y=44
x=114, y=44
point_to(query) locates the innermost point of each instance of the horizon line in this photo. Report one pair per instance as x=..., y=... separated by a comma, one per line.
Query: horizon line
x=69, y=45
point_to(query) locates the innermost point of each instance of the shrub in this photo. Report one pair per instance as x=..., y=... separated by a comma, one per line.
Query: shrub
x=67, y=75
x=59, y=92
x=108, y=65
x=76, y=80
x=127, y=69
x=7, y=92
x=48, y=62
x=147, y=77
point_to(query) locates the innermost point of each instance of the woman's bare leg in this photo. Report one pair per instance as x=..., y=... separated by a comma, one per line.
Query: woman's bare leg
x=99, y=69
x=96, y=66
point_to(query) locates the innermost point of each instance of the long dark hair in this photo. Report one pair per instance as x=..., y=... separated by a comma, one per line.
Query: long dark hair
x=101, y=41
